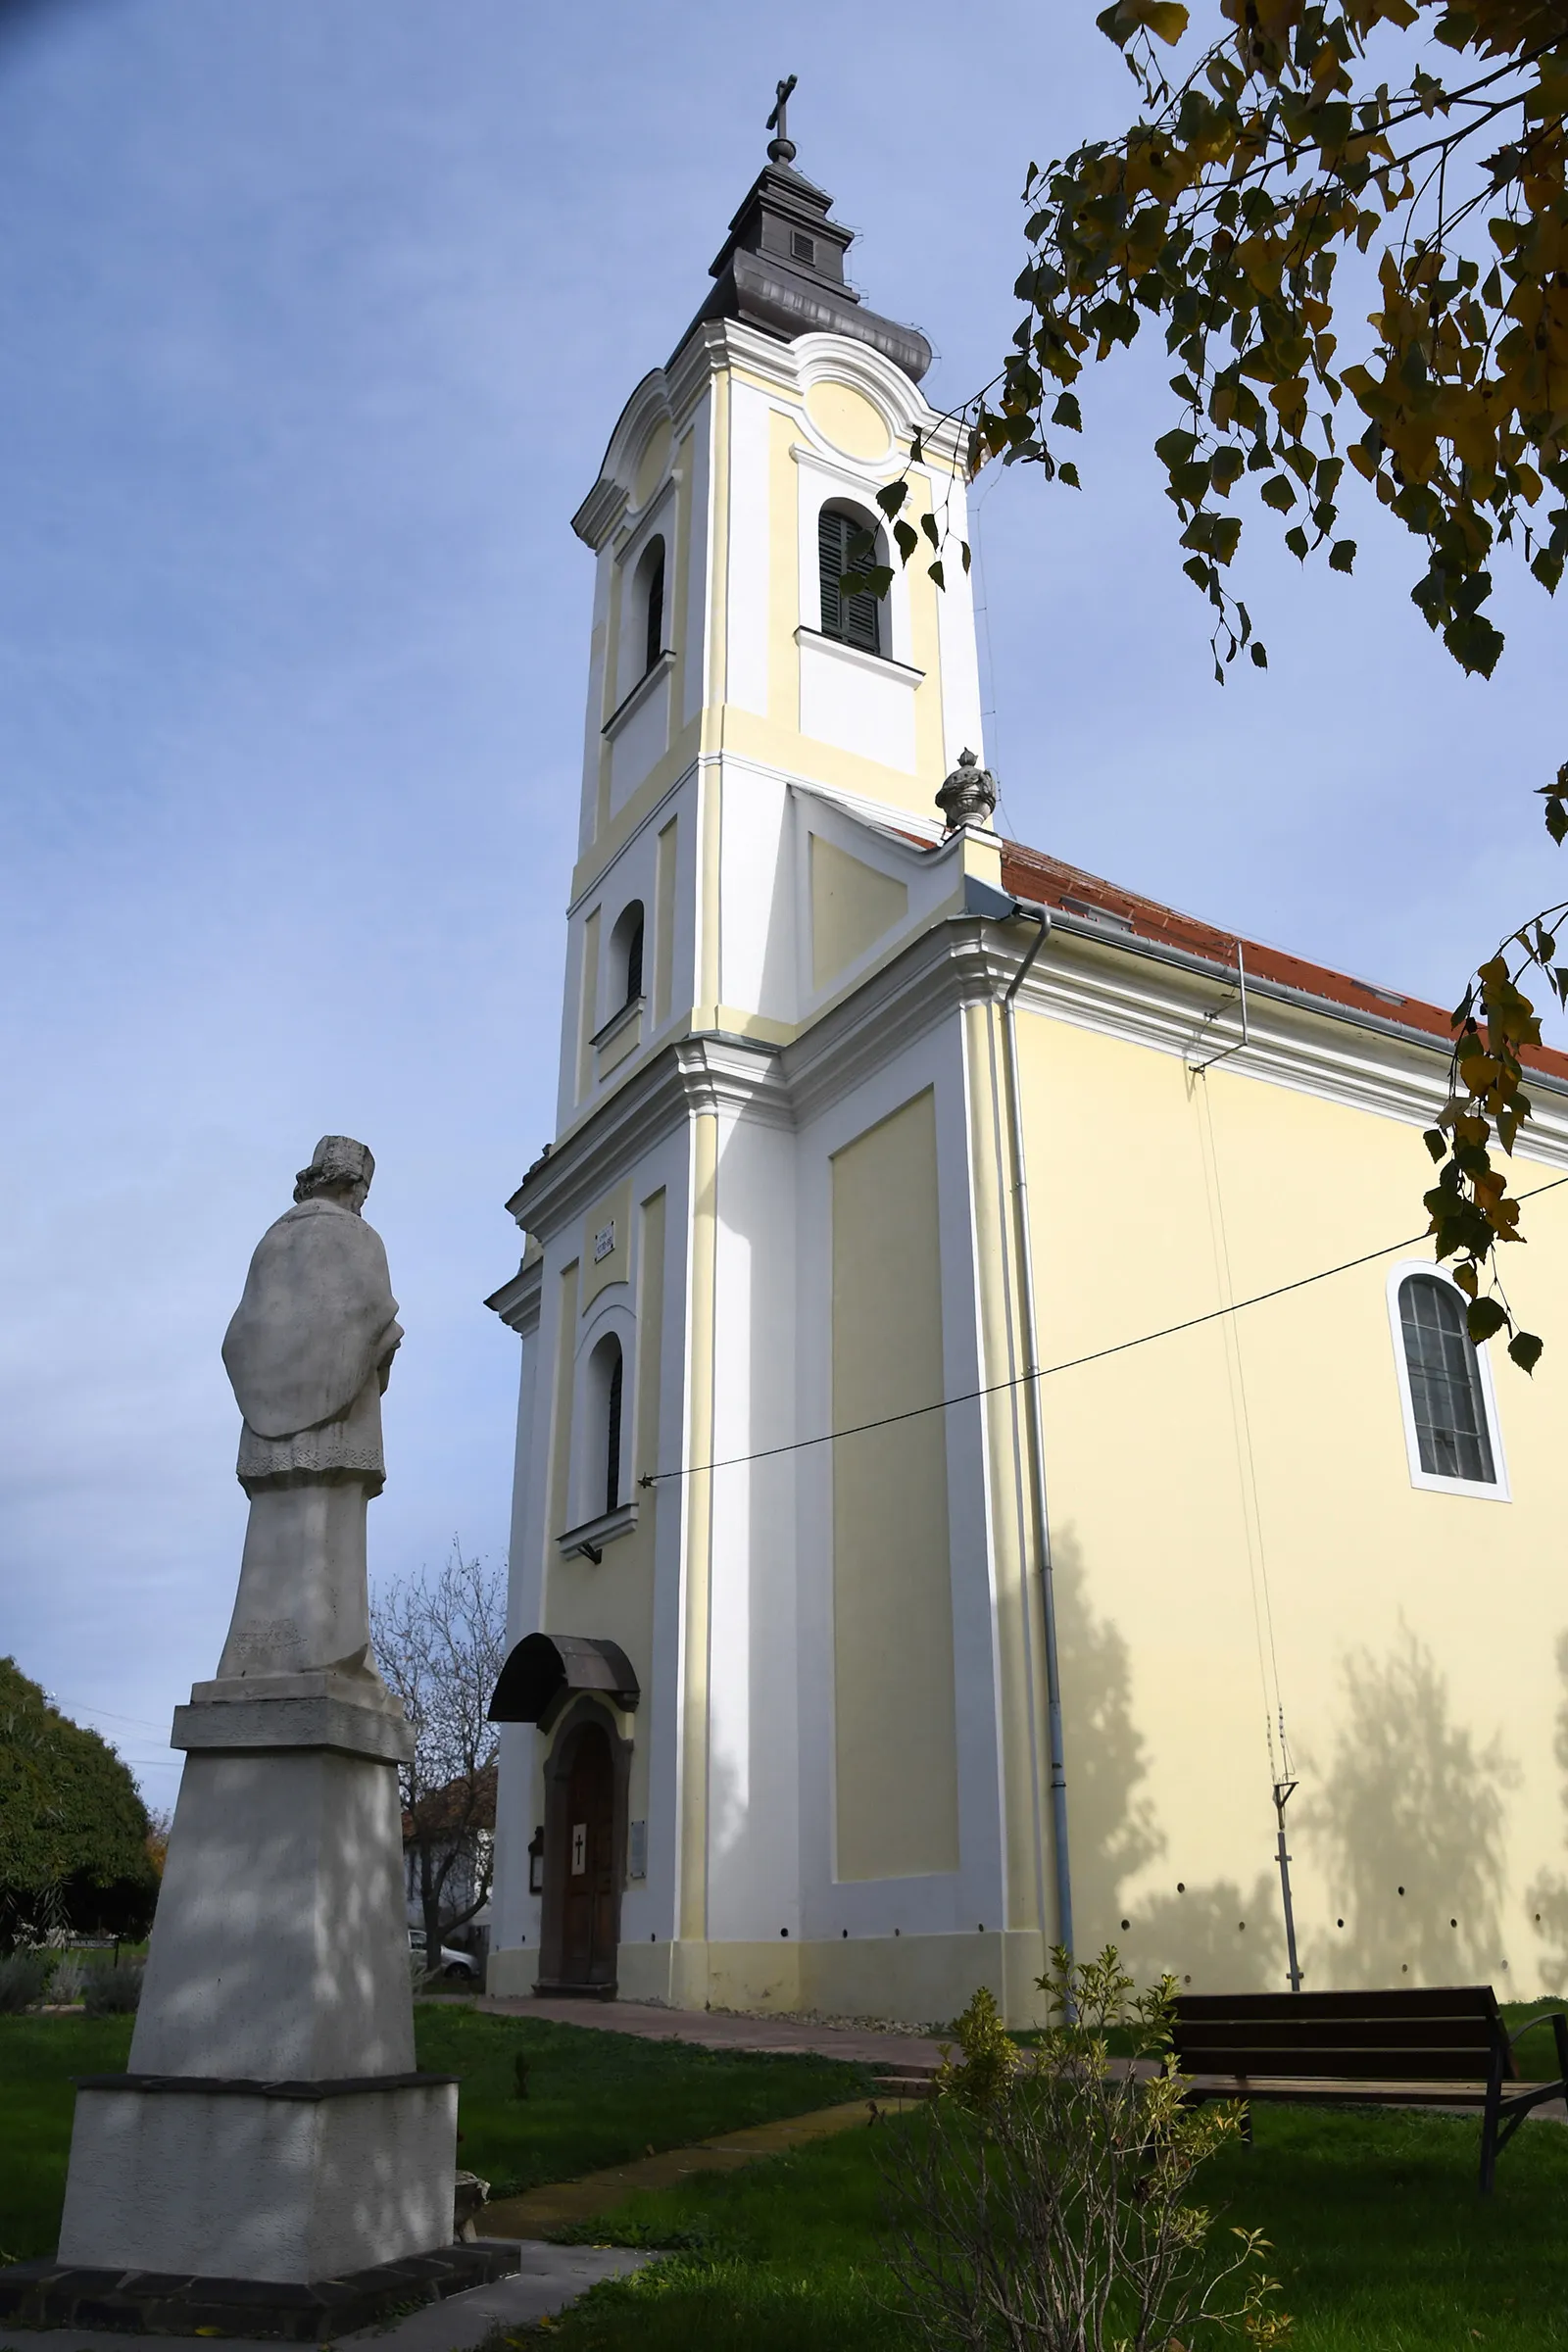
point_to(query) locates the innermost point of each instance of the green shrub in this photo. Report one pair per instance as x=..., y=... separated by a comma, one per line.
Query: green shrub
x=68, y=1977
x=113, y=1991
x=24, y=1976
x=1044, y=2202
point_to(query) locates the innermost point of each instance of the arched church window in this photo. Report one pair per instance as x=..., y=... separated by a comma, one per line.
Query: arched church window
x=626, y=949
x=853, y=615
x=1447, y=1400
x=607, y=1379
x=651, y=593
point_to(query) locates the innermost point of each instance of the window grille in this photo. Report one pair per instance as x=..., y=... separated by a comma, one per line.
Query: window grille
x=613, y=1433
x=855, y=619
x=802, y=247
x=1445, y=1398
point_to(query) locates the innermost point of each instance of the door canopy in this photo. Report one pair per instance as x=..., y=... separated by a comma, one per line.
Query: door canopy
x=545, y=1667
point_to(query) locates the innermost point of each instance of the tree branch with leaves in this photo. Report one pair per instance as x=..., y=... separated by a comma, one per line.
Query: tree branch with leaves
x=1305, y=134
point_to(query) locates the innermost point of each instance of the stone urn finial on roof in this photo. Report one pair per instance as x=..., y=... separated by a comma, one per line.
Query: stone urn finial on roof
x=968, y=797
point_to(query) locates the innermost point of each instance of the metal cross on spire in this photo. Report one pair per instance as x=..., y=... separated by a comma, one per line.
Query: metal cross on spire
x=781, y=149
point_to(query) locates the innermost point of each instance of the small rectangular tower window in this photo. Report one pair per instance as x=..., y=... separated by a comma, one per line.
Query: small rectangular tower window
x=803, y=248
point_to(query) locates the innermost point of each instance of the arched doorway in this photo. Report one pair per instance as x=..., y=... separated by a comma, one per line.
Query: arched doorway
x=584, y=1858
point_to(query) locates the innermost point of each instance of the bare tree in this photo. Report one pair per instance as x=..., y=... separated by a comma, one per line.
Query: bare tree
x=440, y=1642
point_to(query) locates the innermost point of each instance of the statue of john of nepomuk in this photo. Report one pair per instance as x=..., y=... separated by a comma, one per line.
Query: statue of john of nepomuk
x=309, y=1354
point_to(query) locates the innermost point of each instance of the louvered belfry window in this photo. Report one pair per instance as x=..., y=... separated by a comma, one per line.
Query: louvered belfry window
x=855, y=618
x=1450, y=1414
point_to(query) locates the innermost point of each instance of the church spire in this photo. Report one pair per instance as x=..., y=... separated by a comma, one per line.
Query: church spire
x=781, y=267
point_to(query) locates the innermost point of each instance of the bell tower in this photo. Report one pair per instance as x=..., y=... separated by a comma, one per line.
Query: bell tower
x=761, y=852
x=725, y=661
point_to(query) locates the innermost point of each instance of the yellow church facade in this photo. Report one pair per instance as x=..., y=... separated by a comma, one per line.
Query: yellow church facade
x=948, y=1508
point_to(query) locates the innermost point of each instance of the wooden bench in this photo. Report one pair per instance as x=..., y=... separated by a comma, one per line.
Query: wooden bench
x=1446, y=2047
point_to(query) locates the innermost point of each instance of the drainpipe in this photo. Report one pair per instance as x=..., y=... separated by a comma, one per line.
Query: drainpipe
x=980, y=898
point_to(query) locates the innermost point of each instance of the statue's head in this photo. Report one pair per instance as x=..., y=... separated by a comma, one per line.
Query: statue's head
x=340, y=1170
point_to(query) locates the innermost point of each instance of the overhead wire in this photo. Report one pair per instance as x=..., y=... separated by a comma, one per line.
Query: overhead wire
x=1074, y=1363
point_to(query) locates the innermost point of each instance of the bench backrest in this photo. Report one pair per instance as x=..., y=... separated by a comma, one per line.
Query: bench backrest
x=1443, y=2035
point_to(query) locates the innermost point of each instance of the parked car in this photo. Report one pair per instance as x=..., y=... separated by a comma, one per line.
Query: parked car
x=459, y=1968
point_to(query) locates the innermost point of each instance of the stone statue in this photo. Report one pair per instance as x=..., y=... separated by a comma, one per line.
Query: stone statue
x=272, y=2129
x=309, y=1354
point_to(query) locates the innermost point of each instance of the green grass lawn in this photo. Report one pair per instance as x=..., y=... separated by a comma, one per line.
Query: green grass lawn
x=1379, y=2240
x=594, y=2098
x=1378, y=2237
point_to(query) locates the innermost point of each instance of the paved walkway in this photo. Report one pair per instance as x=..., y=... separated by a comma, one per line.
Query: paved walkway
x=720, y=2030
x=549, y=2207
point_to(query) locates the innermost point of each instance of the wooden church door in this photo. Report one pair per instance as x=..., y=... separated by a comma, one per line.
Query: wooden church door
x=581, y=1873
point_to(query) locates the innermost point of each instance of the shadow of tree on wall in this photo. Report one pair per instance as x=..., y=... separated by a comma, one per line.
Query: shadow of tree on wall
x=1548, y=1897
x=1407, y=1822
x=1213, y=1939
x=1113, y=1826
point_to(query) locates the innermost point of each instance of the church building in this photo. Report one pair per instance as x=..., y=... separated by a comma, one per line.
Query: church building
x=948, y=1521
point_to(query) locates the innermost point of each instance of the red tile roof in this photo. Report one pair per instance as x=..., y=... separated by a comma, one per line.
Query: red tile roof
x=1048, y=882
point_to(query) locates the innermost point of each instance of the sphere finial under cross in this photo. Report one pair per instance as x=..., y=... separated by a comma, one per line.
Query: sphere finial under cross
x=781, y=148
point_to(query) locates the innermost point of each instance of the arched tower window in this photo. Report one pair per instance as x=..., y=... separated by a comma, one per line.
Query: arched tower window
x=607, y=1373
x=855, y=617
x=1446, y=1401
x=617, y=1376
x=626, y=952
x=651, y=595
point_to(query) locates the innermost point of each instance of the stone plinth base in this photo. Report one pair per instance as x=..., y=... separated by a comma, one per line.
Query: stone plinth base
x=284, y=2182
x=54, y=2294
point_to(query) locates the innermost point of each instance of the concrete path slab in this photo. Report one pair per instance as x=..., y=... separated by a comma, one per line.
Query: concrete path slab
x=549, y=2207
x=720, y=2030
x=548, y=2278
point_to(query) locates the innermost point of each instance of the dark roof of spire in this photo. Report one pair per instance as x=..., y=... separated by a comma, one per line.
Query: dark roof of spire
x=781, y=268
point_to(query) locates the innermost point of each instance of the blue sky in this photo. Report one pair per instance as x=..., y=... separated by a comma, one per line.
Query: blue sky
x=314, y=319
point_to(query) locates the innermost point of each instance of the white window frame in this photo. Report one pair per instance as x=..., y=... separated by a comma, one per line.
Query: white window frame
x=630, y=670
x=824, y=485
x=1476, y=1490
x=609, y=1317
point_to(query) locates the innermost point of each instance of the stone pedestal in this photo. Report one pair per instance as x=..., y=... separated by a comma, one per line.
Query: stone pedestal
x=272, y=2126
x=276, y=2181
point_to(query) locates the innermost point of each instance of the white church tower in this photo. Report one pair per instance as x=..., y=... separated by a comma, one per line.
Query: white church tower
x=757, y=1701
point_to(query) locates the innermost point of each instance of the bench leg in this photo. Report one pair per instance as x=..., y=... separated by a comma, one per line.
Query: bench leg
x=1489, y=2115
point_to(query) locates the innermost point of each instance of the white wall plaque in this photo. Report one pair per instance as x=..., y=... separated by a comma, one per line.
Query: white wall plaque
x=604, y=1241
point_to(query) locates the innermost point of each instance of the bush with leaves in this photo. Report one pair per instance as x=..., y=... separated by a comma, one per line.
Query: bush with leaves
x=113, y=1991
x=1042, y=2203
x=69, y=1980
x=24, y=1980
